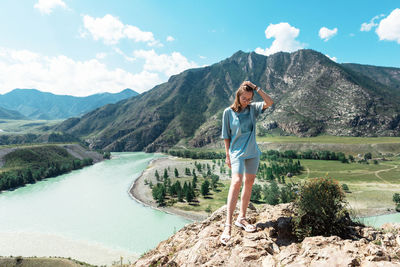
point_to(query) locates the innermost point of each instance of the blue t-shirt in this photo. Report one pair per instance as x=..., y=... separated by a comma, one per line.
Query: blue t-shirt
x=240, y=128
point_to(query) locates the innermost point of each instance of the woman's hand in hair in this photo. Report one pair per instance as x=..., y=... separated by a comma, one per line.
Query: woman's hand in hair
x=250, y=84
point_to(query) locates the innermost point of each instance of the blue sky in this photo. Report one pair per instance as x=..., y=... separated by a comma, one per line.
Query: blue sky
x=81, y=47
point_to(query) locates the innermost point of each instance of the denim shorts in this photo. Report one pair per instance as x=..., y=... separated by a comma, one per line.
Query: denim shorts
x=249, y=166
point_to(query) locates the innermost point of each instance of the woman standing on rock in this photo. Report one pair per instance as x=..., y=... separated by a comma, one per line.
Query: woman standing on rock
x=242, y=152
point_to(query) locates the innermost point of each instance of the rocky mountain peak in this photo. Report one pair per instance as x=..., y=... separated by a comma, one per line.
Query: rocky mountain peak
x=197, y=244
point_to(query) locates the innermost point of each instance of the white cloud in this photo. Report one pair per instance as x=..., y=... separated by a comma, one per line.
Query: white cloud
x=366, y=27
x=332, y=58
x=111, y=30
x=170, y=39
x=326, y=34
x=63, y=75
x=389, y=27
x=120, y=52
x=47, y=6
x=167, y=64
x=101, y=55
x=285, y=39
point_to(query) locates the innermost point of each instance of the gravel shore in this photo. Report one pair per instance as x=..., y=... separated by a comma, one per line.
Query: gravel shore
x=142, y=192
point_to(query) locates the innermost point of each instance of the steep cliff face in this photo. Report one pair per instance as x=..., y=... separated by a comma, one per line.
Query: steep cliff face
x=197, y=244
x=312, y=94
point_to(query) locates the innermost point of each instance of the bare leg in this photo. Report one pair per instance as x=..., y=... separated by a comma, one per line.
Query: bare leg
x=246, y=194
x=233, y=194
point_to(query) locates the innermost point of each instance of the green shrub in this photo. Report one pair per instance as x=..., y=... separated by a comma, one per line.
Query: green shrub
x=271, y=193
x=255, y=193
x=396, y=198
x=319, y=209
x=345, y=188
x=398, y=207
x=208, y=209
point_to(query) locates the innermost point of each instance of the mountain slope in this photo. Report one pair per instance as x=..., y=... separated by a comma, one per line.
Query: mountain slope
x=312, y=94
x=35, y=104
x=11, y=114
x=384, y=75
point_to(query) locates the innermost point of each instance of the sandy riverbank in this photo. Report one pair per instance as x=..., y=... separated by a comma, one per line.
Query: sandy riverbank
x=142, y=192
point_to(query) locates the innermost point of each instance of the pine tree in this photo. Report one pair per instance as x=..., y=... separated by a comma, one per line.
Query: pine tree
x=214, y=181
x=194, y=181
x=165, y=174
x=180, y=195
x=189, y=193
x=205, y=188
x=158, y=193
x=176, y=173
x=185, y=188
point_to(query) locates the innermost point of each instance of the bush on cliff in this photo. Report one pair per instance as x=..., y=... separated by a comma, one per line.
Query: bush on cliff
x=320, y=209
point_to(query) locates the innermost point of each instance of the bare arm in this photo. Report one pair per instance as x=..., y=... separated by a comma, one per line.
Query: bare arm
x=267, y=99
x=227, y=145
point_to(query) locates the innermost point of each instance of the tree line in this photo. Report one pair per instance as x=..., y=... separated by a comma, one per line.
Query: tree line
x=16, y=178
x=270, y=155
x=28, y=165
x=279, y=169
x=273, y=194
x=308, y=154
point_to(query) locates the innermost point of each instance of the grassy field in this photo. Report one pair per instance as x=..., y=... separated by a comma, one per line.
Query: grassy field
x=327, y=139
x=349, y=145
x=371, y=185
x=25, y=126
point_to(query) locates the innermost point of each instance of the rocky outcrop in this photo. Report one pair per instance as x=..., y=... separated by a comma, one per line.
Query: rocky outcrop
x=273, y=244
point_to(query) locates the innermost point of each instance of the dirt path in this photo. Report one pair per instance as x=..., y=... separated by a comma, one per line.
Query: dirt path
x=308, y=173
x=377, y=173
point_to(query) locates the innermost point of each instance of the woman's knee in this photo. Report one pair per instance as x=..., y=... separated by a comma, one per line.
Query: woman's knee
x=236, y=180
x=249, y=179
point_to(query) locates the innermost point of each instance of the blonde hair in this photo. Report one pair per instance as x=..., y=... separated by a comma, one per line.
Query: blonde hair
x=242, y=88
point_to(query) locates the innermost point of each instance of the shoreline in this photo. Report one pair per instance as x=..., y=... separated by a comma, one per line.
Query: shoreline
x=139, y=192
x=362, y=216
x=142, y=194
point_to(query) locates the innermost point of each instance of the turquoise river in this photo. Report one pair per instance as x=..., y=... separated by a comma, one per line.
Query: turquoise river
x=87, y=215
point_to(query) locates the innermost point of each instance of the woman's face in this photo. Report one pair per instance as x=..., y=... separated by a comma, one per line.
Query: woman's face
x=245, y=98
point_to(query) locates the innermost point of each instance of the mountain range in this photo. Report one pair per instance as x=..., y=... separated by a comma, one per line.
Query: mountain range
x=34, y=104
x=312, y=95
